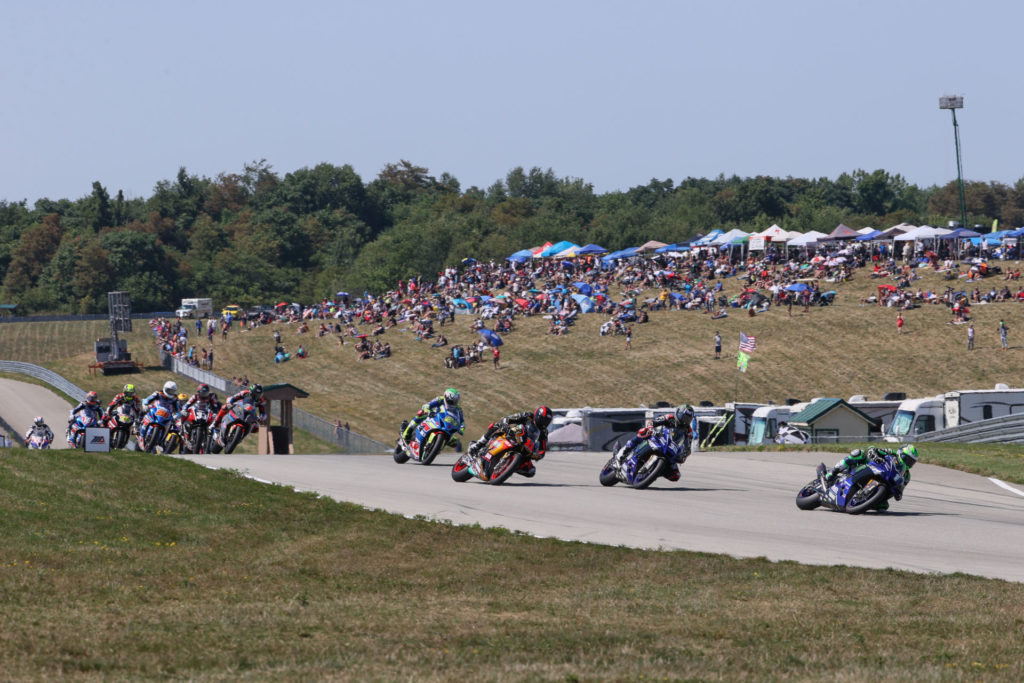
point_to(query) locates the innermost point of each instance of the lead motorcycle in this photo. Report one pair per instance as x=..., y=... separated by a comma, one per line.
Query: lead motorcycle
x=39, y=441
x=644, y=464
x=860, y=490
x=429, y=437
x=500, y=459
x=237, y=423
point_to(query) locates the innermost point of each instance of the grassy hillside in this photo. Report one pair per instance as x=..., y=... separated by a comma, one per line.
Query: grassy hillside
x=131, y=567
x=840, y=350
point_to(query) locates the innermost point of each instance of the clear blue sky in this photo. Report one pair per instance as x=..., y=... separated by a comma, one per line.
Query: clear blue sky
x=615, y=93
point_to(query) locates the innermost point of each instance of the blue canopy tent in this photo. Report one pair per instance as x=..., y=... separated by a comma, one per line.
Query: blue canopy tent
x=708, y=238
x=586, y=303
x=521, y=256
x=867, y=237
x=491, y=337
x=667, y=248
x=591, y=250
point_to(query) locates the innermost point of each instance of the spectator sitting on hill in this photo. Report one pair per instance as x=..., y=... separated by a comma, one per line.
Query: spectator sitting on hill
x=441, y=341
x=301, y=353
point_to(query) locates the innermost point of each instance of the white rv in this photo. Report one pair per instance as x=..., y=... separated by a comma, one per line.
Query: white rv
x=916, y=416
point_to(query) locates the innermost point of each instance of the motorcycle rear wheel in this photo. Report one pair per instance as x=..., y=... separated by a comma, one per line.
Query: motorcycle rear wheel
x=609, y=477
x=648, y=477
x=859, y=501
x=808, y=497
x=460, y=471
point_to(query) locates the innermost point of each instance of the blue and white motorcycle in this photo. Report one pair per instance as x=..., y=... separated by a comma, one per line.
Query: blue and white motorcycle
x=860, y=490
x=644, y=464
x=430, y=436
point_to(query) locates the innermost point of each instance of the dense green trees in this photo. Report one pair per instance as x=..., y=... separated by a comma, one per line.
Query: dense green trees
x=256, y=236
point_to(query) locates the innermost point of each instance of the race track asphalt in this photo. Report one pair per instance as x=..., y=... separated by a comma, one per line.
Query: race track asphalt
x=740, y=504
x=20, y=402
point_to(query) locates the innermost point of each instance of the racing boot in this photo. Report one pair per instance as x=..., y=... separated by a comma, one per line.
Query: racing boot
x=672, y=472
x=883, y=506
x=527, y=469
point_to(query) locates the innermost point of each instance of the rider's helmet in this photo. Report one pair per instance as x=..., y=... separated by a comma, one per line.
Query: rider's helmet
x=38, y=421
x=684, y=416
x=451, y=398
x=542, y=417
x=907, y=456
x=129, y=390
x=92, y=398
x=856, y=453
x=170, y=388
x=256, y=390
x=203, y=391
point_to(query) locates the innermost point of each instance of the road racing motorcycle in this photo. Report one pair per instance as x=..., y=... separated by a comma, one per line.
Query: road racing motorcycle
x=860, y=490
x=429, y=437
x=195, y=429
x=240, y=420
x=39, y=441
x=120, y=423
x=644, y=464
x=83, y=419
x=159, y=429
x=499, y=460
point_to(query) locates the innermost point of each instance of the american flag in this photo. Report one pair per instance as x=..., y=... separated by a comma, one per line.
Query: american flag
x=747, y=344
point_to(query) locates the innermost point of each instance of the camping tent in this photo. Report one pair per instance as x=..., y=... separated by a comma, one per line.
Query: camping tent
x=586, y=303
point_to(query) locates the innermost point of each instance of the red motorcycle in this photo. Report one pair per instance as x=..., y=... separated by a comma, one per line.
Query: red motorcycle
x=195, y=429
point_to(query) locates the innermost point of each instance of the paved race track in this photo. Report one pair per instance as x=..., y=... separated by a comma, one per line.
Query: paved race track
x=740, y=504
x=20, y=402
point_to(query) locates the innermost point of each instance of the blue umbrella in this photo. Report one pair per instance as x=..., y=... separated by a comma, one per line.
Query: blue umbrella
x=491, y=337
x=797, y=287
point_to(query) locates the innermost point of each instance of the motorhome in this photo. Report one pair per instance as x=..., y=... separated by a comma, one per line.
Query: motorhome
x=883, y=411
x=917, y=416
x=765, y=422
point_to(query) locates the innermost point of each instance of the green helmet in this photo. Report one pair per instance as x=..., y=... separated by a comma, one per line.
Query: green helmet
x=907, y=456
x=451, y=398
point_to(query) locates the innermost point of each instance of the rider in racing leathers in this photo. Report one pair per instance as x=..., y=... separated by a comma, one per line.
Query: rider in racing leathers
x=905, y=457
x=127, y=397
x=449, y=399
x=254, y=393
x=680, y=423
x=536, y=424
x=39, y=428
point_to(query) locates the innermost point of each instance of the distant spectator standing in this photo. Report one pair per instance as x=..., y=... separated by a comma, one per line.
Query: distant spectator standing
x=497, y=357
x=899, y=323
x=209, y=360
x=199, y=326
x=1003, y=330
x=718, y=345
x=970, y=337
x=629, y=337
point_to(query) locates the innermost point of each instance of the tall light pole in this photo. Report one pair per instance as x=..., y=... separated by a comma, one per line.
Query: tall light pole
x=952, y=103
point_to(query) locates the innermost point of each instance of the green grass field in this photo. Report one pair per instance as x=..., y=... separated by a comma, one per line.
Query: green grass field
x=129, y=567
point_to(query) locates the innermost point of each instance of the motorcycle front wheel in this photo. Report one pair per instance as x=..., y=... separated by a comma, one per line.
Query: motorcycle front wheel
x=431, y=447
x=152, y=439
x=808, y=498
x=460, y=471
x=234, y=437
x=609, y=477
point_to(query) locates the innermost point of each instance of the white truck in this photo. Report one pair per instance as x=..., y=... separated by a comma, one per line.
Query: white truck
x=916, y=416
x=195, y=308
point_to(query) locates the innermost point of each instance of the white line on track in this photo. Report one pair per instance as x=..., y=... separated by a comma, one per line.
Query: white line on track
x=1006, y=486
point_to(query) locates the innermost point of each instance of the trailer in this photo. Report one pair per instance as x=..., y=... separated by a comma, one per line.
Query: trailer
x=917, y=416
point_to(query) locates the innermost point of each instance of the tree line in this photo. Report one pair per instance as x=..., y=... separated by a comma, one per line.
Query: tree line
x=257, y=236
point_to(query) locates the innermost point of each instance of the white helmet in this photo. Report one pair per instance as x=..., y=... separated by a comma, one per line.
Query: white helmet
x=38, y=421
x=170, y=389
